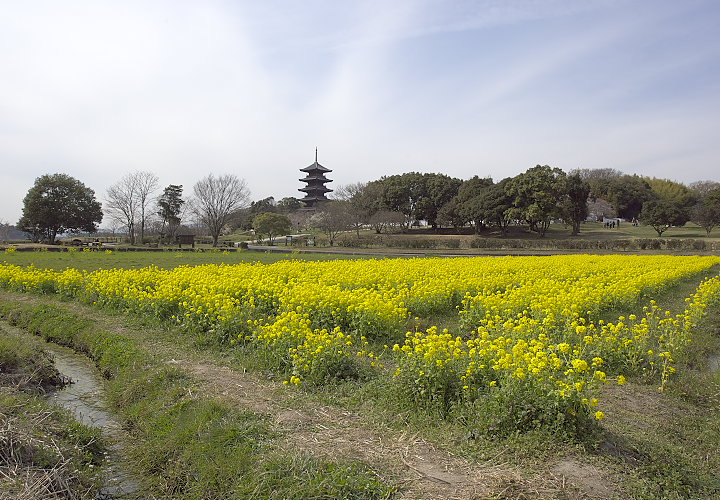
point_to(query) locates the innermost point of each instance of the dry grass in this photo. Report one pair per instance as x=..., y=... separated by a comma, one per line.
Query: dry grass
x=23, y=448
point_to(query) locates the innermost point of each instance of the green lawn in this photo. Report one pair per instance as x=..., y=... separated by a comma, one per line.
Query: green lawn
x=93, y=260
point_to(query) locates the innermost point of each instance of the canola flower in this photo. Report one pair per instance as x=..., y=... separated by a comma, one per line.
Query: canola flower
x=529, y=326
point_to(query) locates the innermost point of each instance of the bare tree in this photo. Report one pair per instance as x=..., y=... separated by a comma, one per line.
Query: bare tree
x=385, y=220
x=217, y=199
x=121, y=204
x=146, y=184
x=703, y=188
x=334, y=218
x=5, y=230
x=353, y=195
x=127, y=201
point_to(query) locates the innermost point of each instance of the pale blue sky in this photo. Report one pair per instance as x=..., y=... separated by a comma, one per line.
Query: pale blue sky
x=96, y=89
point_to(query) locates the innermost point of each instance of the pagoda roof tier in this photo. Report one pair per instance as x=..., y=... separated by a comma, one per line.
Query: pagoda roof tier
x=308, y=199
x=318, y=177
x=310, y=189
x=315, y=167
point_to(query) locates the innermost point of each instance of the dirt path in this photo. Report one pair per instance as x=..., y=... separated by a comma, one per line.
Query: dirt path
x=425, y=471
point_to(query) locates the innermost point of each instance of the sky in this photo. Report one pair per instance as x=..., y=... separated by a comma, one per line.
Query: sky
x=97, y=89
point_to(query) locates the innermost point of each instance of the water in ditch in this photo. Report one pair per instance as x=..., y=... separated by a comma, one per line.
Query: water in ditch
x=84, y=397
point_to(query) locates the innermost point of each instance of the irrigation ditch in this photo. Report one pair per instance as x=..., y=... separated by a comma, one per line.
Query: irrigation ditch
x=85, y=397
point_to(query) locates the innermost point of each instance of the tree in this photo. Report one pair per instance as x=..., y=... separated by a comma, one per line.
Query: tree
x=58, y=203
x=256, y=208
x=333, y=219
x=469, y=200
x=170, y=207
x=403, y=193
x=496, y=203
x=599, y=180
x=386, y=219
x=417, y=196
x=706, y=212
x=702, y=188
x=537, y=194
x=679, y=194
x=127, y=201
x=272, y=225
x=627, y=194
x=450, y=215
x=289, y=204
x=662, y=214
x=5, y=230
x=217, y=200
x=352, y=194
x=438, y=189
x=146, y=183
x=574, y=205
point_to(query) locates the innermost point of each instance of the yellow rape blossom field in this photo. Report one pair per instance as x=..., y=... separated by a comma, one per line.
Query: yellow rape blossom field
x=526, y=340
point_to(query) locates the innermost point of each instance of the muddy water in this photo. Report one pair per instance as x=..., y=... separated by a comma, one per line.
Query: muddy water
x=84, y=397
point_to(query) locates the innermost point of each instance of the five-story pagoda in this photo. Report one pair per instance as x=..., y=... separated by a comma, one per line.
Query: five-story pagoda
x=315, y=179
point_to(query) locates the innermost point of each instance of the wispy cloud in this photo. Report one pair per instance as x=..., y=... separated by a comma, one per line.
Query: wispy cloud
x=97, y=89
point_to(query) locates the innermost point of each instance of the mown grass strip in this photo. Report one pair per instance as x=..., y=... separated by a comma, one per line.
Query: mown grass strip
x=187, y=445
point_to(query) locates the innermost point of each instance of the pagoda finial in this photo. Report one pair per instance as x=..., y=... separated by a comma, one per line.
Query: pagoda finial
x=316, y=155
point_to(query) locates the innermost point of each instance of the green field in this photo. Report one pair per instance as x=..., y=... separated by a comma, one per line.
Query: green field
x=92, y=260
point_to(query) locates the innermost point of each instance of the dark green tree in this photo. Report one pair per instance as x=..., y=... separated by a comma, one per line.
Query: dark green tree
x=246, y=216
x=438, y=189
x=574, y=205
x=56, y=204
x=496, y=203
x=537, y=195
x=449, y=215
x=662, y=214
x=403, y=193
x=271, y=224
x=289, y=204
x=470, y=200
x=627, y=194
x=418, y=196
x=170, y=207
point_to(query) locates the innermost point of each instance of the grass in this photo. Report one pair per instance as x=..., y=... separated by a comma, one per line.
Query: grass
x=93, y=260
x=44, y=452
x=652, y=445
x=188, y=445
x=588, y=230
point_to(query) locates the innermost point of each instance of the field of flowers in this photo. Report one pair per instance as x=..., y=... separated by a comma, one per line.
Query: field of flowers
x=530, y=339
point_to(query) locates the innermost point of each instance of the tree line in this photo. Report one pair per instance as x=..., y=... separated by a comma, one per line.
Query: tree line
x=58, y=204
x=536, y=198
